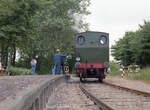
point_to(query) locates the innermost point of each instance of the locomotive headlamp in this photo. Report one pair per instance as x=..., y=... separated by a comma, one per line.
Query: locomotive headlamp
x=77, y=58
x=103, y=40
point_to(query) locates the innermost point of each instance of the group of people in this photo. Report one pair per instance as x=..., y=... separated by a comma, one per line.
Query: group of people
x=59, y=63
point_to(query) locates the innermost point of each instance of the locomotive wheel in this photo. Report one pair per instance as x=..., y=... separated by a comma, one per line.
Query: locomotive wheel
x=81, y=79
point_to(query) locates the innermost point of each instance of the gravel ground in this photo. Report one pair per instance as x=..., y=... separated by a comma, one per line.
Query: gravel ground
x=70, y=97
x=11, y=85
x=134, y=84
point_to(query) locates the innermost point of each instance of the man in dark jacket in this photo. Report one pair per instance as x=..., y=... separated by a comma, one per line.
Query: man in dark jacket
x=58, y=61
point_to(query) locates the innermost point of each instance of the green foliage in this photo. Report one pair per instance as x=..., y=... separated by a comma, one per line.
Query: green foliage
x=143, y=75
x=36, y=28
x=114, y=66
x=115, y=73
x=15, y=21
x=55, y=26
x=16, y=26
x=134, y=47
x=19, y=71
x=70, y=62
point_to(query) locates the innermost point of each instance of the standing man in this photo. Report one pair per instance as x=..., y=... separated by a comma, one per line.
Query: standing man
x=33, y=65
x=58, y=61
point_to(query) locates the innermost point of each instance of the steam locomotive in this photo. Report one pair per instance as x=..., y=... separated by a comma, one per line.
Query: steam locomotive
x=92, y=54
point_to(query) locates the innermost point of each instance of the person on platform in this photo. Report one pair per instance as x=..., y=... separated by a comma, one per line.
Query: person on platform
x=33, y=65
x=59, y=61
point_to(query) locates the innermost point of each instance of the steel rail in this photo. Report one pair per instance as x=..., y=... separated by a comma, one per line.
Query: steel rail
x=99, y=103
x=128, y=89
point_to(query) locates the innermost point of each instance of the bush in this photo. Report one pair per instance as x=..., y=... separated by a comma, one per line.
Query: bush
x=19, y=71
x=115, y=73
x=114, y=69
x=143, y=75
x=114, y=66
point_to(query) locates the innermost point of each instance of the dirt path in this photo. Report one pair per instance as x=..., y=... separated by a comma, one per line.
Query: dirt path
x=137, y=85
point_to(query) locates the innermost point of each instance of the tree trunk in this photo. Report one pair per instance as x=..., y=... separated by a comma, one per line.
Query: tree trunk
x=4, y=55
x=14, y=55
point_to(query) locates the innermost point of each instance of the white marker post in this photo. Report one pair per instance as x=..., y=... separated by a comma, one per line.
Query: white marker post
x=66, y=69
x=123, y=71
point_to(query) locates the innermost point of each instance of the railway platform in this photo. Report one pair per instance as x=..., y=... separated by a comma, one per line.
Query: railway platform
x=27, y=92
x=51, y=92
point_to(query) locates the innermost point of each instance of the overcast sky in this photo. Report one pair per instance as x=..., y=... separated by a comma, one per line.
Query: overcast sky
x=117, y=16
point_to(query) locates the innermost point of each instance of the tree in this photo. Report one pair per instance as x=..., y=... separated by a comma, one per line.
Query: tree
x=134, y=47
x=54, y=27
x=16, y=29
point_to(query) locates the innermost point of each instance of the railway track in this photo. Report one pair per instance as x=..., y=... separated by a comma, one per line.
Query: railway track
x=70, y=97
x=93, y=95
x=112, y=97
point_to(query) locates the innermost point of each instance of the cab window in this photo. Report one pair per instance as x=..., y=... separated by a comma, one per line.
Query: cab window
x=80, y=40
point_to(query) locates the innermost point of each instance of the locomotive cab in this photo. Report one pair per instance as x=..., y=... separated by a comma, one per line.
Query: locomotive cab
x=92, y=54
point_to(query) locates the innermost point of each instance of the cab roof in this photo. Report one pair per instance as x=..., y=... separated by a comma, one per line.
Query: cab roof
x=92, y=32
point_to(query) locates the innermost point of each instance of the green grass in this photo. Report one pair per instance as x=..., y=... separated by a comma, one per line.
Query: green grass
x=115, y=73
x=144, y=74
x=19, y=71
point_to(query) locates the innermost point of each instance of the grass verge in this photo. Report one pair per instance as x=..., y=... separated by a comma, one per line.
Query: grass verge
x=144, y=74
x=19, y=71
